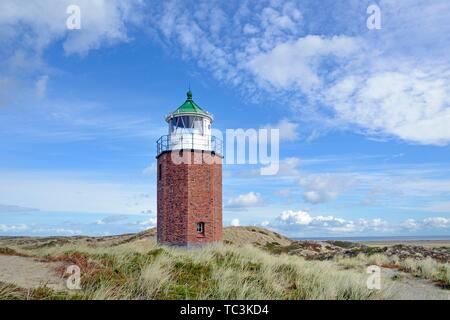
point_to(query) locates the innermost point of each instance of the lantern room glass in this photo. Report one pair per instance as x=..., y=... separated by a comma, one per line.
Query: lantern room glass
x=187, y=124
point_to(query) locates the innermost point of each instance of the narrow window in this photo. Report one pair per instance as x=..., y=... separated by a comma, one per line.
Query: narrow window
x=201, y=228
x=160, y=171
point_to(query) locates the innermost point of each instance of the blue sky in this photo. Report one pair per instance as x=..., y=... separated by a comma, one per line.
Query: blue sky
x=363, y=114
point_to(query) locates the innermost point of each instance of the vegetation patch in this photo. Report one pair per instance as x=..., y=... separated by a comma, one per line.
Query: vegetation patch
x=342, y=244
x=8, y=251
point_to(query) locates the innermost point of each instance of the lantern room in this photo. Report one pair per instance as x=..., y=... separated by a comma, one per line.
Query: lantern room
x=189, y=128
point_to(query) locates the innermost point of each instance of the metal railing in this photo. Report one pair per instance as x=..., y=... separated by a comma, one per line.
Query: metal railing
x=192, y=141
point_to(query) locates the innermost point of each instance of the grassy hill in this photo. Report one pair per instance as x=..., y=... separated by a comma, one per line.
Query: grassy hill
x=254, y=263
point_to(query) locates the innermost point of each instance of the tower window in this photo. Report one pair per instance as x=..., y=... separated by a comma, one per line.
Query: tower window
x=201, y=228
x=160, y=171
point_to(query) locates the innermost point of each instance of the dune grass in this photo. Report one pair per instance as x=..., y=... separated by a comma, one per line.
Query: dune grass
x=146, y=271
x=428, y=269
x=423, y=268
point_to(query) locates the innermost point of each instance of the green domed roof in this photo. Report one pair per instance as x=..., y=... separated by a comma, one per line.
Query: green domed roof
x=189, y=107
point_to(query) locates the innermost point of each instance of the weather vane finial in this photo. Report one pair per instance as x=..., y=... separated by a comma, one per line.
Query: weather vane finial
x=189, y=93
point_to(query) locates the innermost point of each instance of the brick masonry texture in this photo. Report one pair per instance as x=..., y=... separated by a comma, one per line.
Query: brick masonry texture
x=189, y=193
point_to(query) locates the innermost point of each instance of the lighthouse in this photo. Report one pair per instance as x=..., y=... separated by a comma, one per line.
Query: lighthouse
x=189, y=179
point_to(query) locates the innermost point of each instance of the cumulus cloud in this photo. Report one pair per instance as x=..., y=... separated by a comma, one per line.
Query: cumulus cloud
x=247, y=200
x=44, y=230
x=298, y=221
x=148, y=223
x=13, y=227
x=265, y=223
x=297, y=64
x=295, y=217
x=427, y=223
x=288, y=129
x=411, y=224
x=112, y=219
x=121, y=220
x=57, y=230
x=235, y=223
x=437, y=222
x=325, y=187
x=410, y=104
x=288, y=167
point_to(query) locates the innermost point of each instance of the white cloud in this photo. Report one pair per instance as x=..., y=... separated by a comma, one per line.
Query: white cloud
x=411, y=224
x=288, y=167
x=295, y=217
x=225, y=45
x=297, y=64
x=250, y=199
x=411, y=104
x=288, y=130
x=380, y=225
x=111, y=219
x=406, y=100
x=298, y=221
x=102, y=22
x=148, y=224
x=431, y=222
x=265, y=223
x=13, y=227
x=324, y=187
x=235, y=223
x=437, y=222
x=57, y=230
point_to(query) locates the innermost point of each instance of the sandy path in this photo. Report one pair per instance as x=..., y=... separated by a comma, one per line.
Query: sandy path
x=29, y=273
x=408, y=287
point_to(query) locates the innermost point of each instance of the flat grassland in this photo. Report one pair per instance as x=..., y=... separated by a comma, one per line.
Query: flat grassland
x=253, y=263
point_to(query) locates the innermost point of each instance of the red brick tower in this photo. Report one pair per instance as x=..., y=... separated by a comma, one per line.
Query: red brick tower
x=189, y=179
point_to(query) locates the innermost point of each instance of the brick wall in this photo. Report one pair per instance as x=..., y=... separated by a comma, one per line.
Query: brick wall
x=187, y=194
